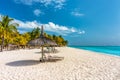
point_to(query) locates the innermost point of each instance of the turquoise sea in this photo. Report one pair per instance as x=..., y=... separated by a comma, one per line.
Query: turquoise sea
x=112, y=50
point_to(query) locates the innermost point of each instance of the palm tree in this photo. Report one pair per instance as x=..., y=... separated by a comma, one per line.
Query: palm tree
x=54, y=36
x=35, y=33
x=7, y=27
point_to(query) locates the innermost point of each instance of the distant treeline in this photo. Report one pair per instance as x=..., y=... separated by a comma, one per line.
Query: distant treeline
x=10, y=35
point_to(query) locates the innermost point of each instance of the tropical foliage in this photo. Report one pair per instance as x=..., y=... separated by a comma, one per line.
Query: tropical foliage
x=6, y=30
x=10, y=35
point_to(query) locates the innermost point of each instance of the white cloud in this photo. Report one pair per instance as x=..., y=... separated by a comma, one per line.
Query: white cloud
x=27, y=24
x=77, y=13
x=37, y=12
x=55, y=3
x=50, y=26
x=0, y=17
x=57, y=28
x=81, y=32
x=26, y=2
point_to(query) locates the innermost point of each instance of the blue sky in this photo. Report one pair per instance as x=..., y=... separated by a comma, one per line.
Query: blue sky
x=81, y=22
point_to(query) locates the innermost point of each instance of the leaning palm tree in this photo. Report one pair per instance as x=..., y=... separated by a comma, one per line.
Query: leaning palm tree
x=7, y=27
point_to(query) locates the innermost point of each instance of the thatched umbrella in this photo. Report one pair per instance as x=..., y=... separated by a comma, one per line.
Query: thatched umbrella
x=42, y=41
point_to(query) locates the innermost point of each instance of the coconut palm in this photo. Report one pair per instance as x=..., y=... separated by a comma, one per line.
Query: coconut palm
x=35, y=33
x=7, y=27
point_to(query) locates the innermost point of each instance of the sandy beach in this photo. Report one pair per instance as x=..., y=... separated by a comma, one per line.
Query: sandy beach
x=76, y=65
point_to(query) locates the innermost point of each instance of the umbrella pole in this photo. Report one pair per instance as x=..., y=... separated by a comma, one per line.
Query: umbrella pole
x=42, y=53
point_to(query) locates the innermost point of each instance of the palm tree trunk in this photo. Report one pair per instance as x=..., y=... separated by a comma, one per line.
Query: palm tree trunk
x=2, y=45
x=1, y=48
x=6, y=39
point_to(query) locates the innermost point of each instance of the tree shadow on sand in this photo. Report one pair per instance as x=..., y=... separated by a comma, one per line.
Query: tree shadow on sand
x=33, y=62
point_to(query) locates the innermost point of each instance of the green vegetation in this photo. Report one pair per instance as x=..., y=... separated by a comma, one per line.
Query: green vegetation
x=6, y=30
x=10, y=35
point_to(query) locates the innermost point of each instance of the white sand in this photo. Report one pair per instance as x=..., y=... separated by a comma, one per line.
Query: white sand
x=76, y=65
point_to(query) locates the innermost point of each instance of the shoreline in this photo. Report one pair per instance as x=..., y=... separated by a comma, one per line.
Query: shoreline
x=97, y=52
x=78, y=64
